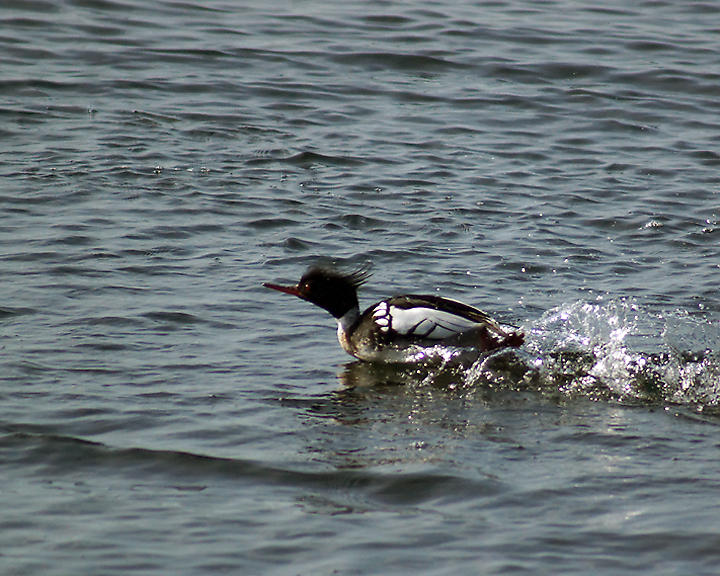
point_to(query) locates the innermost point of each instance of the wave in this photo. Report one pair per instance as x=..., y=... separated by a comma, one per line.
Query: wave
x=44, y=454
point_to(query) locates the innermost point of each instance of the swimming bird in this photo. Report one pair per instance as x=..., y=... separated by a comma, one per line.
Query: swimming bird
x=398, y=328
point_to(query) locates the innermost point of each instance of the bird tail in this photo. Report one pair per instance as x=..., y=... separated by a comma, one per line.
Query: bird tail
x=513, y=340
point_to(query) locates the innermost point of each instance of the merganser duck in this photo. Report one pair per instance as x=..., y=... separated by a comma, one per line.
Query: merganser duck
x=397, y=329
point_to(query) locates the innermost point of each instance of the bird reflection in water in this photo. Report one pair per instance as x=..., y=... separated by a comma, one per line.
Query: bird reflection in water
x=459, y=368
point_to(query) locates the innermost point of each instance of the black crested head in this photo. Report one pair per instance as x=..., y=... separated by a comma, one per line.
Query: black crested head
x=329, y=288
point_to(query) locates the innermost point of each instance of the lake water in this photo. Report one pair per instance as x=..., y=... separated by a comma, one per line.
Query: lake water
x=554, y=163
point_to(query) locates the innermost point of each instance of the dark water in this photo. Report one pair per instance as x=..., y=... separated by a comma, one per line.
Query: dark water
x=555, y=163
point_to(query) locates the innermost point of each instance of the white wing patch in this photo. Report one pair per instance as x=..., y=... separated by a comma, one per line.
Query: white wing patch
x=381, y=316
x=422, y=322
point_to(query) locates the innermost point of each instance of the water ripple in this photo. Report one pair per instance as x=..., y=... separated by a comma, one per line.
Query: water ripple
x=555, y=164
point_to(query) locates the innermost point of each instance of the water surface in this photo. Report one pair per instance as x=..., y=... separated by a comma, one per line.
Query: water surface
x=555, y=164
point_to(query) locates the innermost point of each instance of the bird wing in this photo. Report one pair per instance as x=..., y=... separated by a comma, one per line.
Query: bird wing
x=429, y=317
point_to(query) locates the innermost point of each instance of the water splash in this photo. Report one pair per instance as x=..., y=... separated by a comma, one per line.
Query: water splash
x=616, y=350
x=604, y=350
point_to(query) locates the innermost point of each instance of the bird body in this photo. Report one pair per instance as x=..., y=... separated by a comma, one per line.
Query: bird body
x=398, y=328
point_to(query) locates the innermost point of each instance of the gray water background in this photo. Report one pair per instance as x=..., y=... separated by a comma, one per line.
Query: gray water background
x=555, y=163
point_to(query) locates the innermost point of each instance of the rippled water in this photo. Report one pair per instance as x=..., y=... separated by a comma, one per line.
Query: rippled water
x=555, y=163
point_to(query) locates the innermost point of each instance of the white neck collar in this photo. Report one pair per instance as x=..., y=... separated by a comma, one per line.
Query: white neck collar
x=348, y=319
